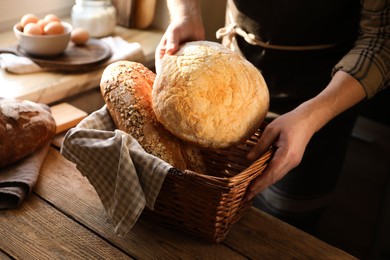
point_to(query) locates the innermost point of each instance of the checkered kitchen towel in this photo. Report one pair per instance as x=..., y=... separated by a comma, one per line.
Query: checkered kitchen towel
x=125, y=177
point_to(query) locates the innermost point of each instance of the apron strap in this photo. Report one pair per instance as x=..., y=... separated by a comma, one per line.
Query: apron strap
x=231, y=30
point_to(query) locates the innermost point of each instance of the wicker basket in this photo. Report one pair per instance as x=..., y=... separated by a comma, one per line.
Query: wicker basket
x=208, y=205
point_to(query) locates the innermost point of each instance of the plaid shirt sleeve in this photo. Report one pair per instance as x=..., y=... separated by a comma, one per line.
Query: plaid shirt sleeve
x=125, y=177
x=369, y=60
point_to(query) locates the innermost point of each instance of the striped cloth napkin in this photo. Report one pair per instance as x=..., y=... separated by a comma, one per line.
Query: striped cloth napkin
x=18, y=179
x=125, y=177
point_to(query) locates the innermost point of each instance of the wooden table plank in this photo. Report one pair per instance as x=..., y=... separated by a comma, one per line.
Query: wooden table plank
x=63, y=186
x=277, y=240
x=38, y=231
x=66, y=116
x=3, y=256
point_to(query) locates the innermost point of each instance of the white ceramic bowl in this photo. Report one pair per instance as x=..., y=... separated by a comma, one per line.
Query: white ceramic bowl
x=43, y=45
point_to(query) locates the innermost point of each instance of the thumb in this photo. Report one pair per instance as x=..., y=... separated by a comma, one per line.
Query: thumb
x=172, y=43
x=265, y=141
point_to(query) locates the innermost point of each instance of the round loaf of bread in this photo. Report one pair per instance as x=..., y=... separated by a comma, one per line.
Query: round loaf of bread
x=25, y=126
x=209, y=95
x=126, y=87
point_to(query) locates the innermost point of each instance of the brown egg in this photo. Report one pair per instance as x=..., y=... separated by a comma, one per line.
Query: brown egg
x=51, y=18
x=28, y=18
x=53, y=28
x=42, y=23
x=32, y=29
x=79, y=36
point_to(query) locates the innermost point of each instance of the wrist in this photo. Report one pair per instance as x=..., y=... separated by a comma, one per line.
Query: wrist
x=342, y=93
x=315, y=113
x=185, y=11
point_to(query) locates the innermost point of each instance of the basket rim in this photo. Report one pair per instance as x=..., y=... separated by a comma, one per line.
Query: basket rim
x=248, y=174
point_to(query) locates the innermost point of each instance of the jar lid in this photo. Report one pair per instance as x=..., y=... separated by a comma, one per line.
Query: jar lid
x=94, y=2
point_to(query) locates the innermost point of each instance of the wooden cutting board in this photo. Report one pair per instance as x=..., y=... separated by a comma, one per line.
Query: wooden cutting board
x=74, y=59
x=66, y=116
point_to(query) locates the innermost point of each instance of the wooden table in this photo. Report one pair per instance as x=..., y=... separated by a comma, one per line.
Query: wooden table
x=64, y=219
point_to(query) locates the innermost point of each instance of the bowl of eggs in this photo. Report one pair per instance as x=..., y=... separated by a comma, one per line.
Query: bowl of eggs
x=42, y=37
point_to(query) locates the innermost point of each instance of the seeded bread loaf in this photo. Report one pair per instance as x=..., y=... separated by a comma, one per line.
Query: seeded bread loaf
x=24, y=127
x=127, y=90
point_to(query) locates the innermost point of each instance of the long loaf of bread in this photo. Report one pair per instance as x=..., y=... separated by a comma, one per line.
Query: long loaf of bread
x=25, y=126
x=127, y=90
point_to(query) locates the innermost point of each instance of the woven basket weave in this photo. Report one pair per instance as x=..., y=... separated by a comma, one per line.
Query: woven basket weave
x=208, y=205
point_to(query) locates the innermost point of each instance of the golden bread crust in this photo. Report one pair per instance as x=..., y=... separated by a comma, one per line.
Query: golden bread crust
x=210, y=96
x=126, y=88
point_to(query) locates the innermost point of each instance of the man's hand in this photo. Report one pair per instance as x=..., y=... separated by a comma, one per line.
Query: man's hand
x=290, y=133
x=178, y=33
x=186, y=25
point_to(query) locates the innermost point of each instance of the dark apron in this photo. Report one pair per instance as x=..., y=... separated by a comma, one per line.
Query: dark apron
x=294, y=76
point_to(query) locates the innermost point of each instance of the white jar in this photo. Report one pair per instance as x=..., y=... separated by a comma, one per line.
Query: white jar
x=98, y=17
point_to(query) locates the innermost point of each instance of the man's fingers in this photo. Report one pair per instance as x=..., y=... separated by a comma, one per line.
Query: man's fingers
x=275, y=170
x=259, y=184
x=266, y=140
x=172, y=43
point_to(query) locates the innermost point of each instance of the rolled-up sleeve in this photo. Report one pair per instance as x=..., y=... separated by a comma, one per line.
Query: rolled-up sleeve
x=369, y=60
